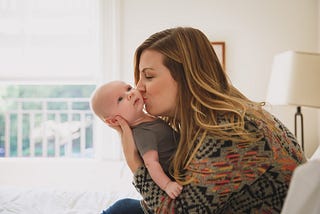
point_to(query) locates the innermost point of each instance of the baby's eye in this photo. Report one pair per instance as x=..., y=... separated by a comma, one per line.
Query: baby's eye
x=129, y=88
x=120, y=99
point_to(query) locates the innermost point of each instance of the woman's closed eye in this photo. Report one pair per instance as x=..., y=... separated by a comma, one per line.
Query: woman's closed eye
x=147, y=76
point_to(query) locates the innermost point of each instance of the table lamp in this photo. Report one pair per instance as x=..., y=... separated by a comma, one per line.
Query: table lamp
x=295, y=80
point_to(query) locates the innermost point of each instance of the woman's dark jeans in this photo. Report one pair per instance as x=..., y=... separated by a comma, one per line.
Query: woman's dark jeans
x=125, y=206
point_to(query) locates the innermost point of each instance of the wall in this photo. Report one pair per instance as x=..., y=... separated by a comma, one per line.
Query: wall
x=319, y=52
x=254, y=31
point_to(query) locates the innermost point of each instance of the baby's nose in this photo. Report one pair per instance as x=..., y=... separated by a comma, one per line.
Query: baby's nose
x=130, y=94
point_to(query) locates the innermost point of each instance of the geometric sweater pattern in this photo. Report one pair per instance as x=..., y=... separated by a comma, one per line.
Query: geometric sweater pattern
x=230, y=176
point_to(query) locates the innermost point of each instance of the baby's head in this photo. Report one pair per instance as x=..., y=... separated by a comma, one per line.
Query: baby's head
x=116, y=98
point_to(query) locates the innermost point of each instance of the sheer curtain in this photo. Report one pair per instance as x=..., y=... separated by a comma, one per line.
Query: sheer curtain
x=62, y=42
x=49, y=40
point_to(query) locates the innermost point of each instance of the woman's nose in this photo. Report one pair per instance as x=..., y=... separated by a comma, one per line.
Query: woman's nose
x=140, y=86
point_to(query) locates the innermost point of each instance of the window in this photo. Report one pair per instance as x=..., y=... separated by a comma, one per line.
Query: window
x=49, y=40
x=46, y=121
x=50, y=63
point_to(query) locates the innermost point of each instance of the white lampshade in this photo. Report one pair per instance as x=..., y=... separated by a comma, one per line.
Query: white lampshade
x=295, y=79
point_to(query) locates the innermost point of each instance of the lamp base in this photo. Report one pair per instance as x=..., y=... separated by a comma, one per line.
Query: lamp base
x=296, y=115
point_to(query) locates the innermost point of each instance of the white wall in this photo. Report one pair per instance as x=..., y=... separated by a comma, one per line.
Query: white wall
x=318, y=51
x=254, y=31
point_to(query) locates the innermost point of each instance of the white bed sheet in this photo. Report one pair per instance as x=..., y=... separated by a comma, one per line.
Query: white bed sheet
x=56, y=201
x=58, y=186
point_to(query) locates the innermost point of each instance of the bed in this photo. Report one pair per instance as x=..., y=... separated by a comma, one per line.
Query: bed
x=15, y=200
x=62, y=186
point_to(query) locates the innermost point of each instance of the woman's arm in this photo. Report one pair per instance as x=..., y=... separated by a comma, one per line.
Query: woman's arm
x=129, y=148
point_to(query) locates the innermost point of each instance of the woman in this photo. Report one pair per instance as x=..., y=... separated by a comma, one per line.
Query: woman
x=233, y=156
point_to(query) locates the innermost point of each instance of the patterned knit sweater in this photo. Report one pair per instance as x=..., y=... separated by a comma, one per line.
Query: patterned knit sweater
x=232, y=177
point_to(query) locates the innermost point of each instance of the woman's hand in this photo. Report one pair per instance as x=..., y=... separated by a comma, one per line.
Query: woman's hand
x=129, y=148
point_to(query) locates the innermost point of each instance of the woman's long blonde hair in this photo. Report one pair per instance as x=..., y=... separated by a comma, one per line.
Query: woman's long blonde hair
x=205, y=94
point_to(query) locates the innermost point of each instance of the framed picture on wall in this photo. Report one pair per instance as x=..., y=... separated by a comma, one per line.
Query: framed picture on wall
x=219, y=48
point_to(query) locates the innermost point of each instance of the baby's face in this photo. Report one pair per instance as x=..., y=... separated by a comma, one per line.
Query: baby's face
x=122, y=99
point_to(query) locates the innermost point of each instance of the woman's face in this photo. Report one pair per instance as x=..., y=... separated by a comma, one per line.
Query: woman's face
x=158, y=88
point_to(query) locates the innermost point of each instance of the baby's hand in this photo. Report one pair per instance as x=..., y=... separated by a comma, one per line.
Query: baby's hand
x=173, y=189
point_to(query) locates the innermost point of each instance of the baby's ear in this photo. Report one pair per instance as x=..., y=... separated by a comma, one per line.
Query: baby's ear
x=112, y=121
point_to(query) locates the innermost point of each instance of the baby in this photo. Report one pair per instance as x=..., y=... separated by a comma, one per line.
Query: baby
x=155, y=140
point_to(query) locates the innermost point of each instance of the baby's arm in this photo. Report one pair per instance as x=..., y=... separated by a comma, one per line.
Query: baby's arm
x=151, y=160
